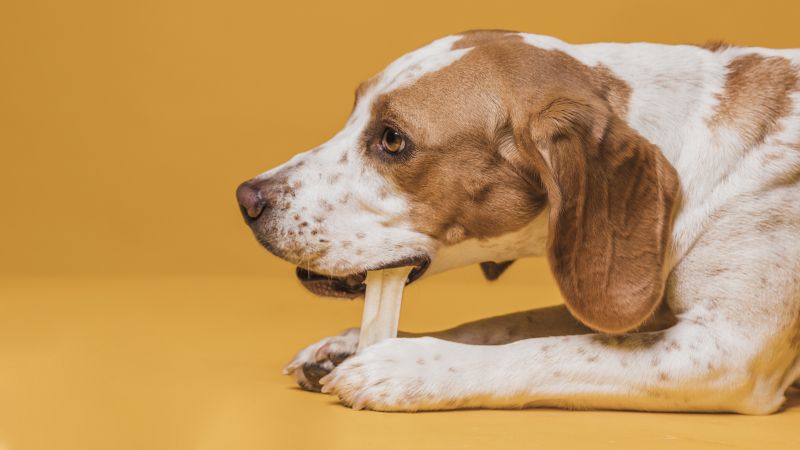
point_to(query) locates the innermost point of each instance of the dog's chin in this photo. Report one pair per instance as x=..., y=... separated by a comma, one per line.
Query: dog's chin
x=352, y=286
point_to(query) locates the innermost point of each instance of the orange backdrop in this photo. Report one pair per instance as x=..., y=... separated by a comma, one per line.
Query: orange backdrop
x=126, y=126
x=157, y=321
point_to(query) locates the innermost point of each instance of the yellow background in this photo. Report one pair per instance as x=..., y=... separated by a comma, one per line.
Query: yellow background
x=137, y=311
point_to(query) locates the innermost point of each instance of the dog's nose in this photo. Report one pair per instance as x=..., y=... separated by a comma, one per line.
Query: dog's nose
x=251, y=199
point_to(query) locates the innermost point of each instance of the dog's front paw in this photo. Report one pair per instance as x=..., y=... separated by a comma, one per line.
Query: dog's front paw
x=319, y=358
x=399, y=375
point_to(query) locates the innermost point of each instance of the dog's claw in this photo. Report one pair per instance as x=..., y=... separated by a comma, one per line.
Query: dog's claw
x=360, y=403
x=290, y=367
x=328, y=383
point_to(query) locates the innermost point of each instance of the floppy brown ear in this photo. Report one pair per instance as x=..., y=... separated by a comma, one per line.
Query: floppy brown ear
x=611, y=195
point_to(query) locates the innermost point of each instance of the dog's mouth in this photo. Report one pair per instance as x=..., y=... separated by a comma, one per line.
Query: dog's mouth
x=352, y=286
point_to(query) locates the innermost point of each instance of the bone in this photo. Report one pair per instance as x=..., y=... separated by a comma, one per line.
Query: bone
x=382, y=305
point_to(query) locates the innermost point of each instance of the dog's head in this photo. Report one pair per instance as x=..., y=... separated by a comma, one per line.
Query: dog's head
x=479, y=147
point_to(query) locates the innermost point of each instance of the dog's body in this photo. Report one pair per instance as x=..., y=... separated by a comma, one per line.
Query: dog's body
x=644, y=172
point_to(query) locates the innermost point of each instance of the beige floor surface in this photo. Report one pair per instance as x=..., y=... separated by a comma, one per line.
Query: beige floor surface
x=194, y=363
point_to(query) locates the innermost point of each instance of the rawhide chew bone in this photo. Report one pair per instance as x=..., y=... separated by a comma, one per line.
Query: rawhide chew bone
x=382, y=305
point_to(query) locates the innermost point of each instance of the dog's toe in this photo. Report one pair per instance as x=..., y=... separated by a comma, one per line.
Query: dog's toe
x=308, y=377
x=320, y=358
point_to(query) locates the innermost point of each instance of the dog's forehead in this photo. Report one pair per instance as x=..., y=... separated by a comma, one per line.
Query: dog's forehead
x=411, y=66
x=402, y=72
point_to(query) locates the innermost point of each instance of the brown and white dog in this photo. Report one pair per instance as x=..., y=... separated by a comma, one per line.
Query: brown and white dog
x=662, y=182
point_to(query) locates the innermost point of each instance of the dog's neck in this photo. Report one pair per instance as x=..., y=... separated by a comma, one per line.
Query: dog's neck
x=530, y=240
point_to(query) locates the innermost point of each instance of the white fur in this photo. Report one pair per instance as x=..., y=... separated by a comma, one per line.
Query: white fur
x=734, y=274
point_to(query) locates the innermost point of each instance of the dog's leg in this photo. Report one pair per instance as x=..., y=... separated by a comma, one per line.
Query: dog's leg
x=690, y=367
x=736, y=346
x=319, y=358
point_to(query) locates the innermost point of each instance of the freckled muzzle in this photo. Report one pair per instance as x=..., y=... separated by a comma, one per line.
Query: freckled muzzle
x=353, y=286
x=259, y=200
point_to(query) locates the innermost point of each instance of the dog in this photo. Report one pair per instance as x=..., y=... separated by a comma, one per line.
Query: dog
x=662, y=183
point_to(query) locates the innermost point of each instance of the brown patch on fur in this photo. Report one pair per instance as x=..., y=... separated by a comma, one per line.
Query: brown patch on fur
x=757, y=95
x=509, y=128
x=454, y=234
x=457, y=150
x=458, y=183
x=476, y=38
x=715, y=45
x=616, y=91
x=775, y=218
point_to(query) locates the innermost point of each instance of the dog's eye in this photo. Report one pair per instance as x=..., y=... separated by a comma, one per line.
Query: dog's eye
x=392, y=141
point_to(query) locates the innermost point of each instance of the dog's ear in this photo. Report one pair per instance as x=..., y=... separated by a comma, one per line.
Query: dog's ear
x=493, y=270
x=611, y=195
